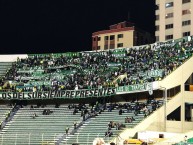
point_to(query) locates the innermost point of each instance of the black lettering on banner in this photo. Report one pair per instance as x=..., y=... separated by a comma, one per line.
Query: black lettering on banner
x=32, y=95
x=58, y=94
x=63, y=94
x=9, y=96
x=48, y=96
x=44, y=95
x=109, y=91
x=29, y=95
x=55, y=94
x=96, y=93
x=67, y=94
x=51, y=94
x=105, y=91
x=39, y=95
x=20, y=96
x=77, y=94
x=100, y=92
x=4, y=95
x=35, y=95
x=87, y=93
x=23, y=95
x=72, y=93
x=14, y=95
x=113, y=91
x=82, y=94
x=91, y=93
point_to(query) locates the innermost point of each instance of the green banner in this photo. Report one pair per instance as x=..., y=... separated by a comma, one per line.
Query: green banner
x=155, y=73
x=119, y=54
x=40, y=83
x=113, y=64
x=131, y=88
x=151, y=73
x=56, y=55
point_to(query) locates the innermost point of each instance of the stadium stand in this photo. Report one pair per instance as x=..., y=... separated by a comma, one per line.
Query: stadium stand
x=110, y=117
x=29, y=125
x=47, y=124
x=86, y=70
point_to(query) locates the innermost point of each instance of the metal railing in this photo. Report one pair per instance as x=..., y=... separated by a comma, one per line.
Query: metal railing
x=28, y=138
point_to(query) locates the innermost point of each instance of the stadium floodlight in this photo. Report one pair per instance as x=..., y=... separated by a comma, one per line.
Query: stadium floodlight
x=165, y=105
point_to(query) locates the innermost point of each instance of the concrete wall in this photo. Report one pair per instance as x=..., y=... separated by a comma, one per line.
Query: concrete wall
x=179, y=76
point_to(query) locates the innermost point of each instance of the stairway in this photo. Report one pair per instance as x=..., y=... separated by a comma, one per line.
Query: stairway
x=4, y=66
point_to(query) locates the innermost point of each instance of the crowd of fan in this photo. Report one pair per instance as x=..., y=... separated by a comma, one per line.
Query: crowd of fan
x=135, y=107
x=86, y=70
x=87, y=112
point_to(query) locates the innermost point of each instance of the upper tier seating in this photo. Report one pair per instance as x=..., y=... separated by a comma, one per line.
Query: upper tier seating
x=96, y=69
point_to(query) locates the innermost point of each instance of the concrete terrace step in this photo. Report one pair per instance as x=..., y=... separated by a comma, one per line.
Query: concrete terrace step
x=46, y=125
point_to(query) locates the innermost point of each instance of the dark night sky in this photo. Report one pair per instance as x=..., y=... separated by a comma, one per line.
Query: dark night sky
x=40, y=26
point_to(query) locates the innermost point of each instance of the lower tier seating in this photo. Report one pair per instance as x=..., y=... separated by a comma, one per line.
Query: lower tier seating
x=47, y=125
x=98, y=126
x=31, y=126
